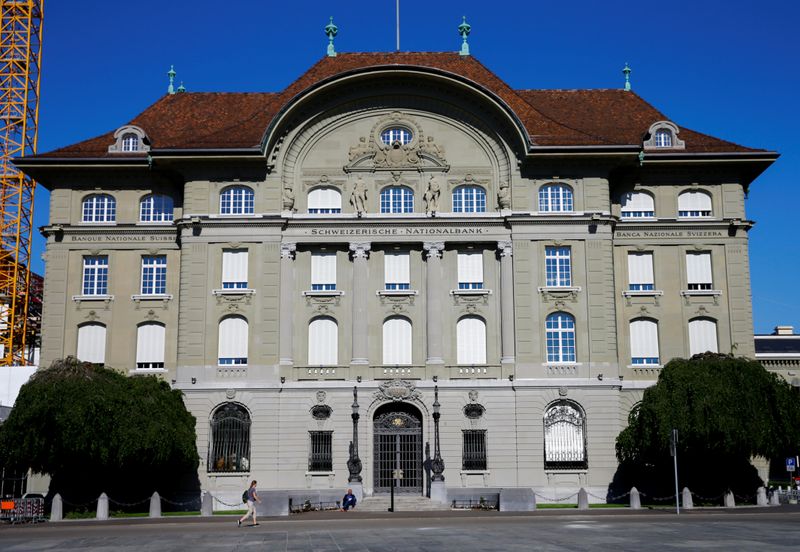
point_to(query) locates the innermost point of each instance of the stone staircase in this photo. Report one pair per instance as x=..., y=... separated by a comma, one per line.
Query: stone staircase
x=402, y=503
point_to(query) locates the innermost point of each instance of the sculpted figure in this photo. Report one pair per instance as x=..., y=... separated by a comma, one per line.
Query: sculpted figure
x=359, y=150
x=358, y=199
x=288, y=199
x=431, y=196
x=432, y=147
x=504, y=196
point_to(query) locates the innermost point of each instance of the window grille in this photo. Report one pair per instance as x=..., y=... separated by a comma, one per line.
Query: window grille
x=156, y=208
x=469, y=199
x=237, y=200
x=229, y=443
x=95, y=275
x=564, y=437
x=320, y=457
x=99, y=208
x=397, y=199
x=154, y=275
x=555, y=198
x=474, y=450
x=557, y=267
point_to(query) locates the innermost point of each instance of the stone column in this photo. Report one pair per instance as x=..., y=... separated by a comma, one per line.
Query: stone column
x=506, y=303
x=360, y=253
x=286, y=322
x=433, y=298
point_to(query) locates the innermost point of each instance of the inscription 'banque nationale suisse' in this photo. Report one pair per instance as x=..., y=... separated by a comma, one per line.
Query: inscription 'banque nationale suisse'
x=397, y=231
x=122, y=238
x=669, y=234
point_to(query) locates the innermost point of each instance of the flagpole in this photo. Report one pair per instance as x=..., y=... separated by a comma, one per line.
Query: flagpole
x=397, y=24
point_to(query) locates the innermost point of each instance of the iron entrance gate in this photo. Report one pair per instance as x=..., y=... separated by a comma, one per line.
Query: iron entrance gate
x=398, y=446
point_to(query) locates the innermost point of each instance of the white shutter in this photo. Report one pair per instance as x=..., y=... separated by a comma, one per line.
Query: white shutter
x=698, y=268
x=324, y=198
x=150, y=343
x=471, y=341
x=637, y=201
x=702, y=336
x=323, y=342
x=397, y=341
x=233, y=336
x=395, y=267
x=92, y=343
x=640, y=268
x=694, y=201
x=323, y=268
x=644, y=339
x=470, y=268
x=234, y=266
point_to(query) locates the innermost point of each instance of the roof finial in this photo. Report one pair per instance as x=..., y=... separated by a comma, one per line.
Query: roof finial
x=181, y=88
x=331, y=30
x=627, y=72
x=171, y=73
x=464, y=30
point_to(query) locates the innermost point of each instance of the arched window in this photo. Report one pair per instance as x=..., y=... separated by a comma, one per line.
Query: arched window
x=397, y=340
x=401, y=135
x=229, y=439
x=99, y=208
x=233, y=338
x=702, y=336
x=92, y=343
x=560, y=337
x=150, y=346
x=663, y=138
x=555, y=198
x=323, y=342
x=637, y=205
x=644, y=342
x=471, y=340
x=130, y=142
x=469, y=199
x=237, y=200
x=324, y=200
x=694, y=204
x=564, y=437
x=397, y=199
x=156, y=208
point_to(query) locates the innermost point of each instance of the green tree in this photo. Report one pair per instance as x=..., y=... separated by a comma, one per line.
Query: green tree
x=726, y=410
x=95, y=430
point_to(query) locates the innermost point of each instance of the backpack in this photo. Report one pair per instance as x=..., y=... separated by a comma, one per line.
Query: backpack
x=244, y=495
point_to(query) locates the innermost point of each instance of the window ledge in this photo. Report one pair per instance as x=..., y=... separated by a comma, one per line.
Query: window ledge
x=156, y=223
x=146, y=371
x=323, y=293
x=475, y=472
x=559, y=289
x=642, y=293
x=228, y=473
x=234, y=215
x=233, y=291
x=470, y=292
x=701, y=292
x=320, y=473
x=647, y=366
x=396, y=292
x=79, y=298
x=89, y=223
x=152, y=297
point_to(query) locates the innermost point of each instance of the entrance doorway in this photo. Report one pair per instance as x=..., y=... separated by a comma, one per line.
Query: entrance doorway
x=398, y=446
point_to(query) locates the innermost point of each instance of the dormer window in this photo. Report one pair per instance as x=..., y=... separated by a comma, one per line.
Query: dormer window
x=130, y=142
x=663, y=138
x=663, y=135
x=130, y=139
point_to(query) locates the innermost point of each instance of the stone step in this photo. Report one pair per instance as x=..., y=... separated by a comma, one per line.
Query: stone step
x=406, y=503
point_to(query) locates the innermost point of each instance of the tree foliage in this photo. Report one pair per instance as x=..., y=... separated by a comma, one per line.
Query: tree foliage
x=93, y=429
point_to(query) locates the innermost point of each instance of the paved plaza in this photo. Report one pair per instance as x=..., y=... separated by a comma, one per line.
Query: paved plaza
x=757, y=529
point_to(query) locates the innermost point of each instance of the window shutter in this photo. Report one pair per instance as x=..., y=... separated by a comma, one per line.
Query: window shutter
x=150, y=343
x=397, y=341
x=694, y=201
x=323, y=268
x=92, y=343
x=702, y=336
x=470, y=268
x=323, y=342
x=471, y=341
x=233, y=337
x=395, y=266
x=234, y=266
x=637, y=201
x=698, y=268
x=644, y=339
x=640, y=268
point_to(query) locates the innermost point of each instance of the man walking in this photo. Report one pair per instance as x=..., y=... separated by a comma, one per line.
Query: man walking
x=252, y=498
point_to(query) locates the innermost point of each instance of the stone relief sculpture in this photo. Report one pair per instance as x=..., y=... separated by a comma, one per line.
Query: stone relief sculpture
x=431, y=196
x=361, y=149
x=358, y=198
x=504, y=196
x=288, y=199
x=432, y=148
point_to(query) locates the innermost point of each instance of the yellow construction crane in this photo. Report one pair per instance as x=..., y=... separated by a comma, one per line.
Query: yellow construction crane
x=20, y=76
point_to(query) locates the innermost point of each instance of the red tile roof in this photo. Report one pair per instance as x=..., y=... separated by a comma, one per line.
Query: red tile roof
x=551, y=117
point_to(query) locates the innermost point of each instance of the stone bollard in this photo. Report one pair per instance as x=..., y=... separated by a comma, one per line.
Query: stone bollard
x=155, y=505
x=761, y=497
x=57, y=509
x=102, y=506
x=686, y=499
x=729, y=500
x=583, y=499
x=207, y=504
x=636, y=501
x=774, y=498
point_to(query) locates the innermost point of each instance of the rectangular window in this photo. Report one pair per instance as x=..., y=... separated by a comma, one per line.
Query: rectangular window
x=640, y=272
x=395, y=269
x=154, y=275
x=95, y=275
x=698, y=271
x=323, y=271
x=150, y=346
x=320, y=457
x=558, y=267
x=234, y=269
x=470, y=270
x=474, y=451
x=644, y=342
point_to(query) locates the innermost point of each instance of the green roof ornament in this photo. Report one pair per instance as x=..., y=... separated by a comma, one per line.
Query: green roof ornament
x=331, y=30
x=464, y=29
x=627, y=72
x=181, y=88
x=171, y=74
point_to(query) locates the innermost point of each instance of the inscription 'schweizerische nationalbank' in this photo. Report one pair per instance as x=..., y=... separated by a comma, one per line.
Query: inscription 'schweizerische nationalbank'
x=397, y=231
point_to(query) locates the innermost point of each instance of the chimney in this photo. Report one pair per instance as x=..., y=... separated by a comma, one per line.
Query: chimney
x=783, y=330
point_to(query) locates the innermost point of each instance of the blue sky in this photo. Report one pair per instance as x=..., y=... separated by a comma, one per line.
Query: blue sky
x=729, y=69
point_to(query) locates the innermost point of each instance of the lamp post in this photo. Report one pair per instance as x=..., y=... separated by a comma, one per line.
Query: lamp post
x=354, y=462
x=437, y=464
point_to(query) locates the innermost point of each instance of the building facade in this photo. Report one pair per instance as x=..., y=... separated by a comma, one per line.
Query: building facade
x=514, y=264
